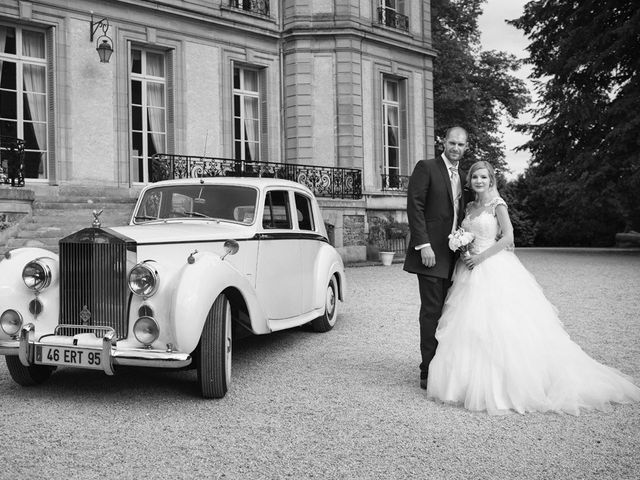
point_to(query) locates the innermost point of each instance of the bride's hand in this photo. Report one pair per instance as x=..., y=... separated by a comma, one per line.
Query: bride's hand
x=471, y=260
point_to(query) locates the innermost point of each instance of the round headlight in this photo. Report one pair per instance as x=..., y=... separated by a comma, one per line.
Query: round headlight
x=143, y=280
x=146, y=330
x=10, y=322
x=36, y=275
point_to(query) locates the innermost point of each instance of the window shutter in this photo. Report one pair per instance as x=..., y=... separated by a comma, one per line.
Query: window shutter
x=171, y=138
x=264, y=127
x=51, y=104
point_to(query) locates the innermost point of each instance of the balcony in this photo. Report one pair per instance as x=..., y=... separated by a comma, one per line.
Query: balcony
x=328, y=182
x=394, y=183
x=259, y=7
x=390, y=18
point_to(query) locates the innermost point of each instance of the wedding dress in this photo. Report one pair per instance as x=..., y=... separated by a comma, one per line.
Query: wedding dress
x=502, y=348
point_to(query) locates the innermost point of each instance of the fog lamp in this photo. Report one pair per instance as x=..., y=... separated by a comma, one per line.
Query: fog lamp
x=143, y=279
x=10, y=322
x=146, y=330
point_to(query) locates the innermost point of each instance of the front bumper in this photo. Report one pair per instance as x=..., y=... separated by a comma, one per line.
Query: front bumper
x=90, y=343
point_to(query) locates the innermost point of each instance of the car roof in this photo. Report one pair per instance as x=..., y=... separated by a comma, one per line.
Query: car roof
x=260, y=183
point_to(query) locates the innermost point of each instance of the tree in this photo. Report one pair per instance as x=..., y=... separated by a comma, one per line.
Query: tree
x=472, y=88
x=584, y=178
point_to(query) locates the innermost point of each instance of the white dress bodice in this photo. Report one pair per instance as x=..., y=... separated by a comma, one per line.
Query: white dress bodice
x=482, y=222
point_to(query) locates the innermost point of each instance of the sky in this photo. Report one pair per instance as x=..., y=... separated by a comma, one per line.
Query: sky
x=495, y=34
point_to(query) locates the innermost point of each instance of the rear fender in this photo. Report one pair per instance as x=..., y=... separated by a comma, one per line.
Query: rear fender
x=198, y=286
x=328, y=264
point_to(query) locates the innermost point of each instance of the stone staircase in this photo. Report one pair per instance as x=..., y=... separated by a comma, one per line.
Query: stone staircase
x=54, y=218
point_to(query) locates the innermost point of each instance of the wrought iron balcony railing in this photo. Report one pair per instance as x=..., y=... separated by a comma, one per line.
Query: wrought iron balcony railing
x=390, y=18
x=331, y=182
x=261, y=7
x=394, y=182
x=12, y=161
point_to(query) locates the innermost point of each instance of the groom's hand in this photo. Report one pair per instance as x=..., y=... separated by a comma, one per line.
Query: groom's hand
x=428, y=257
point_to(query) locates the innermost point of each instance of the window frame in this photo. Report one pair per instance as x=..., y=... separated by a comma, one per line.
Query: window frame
x=387, y=105
x=309, y=212
x=45, y=168
x=268, y=206
x=143, y=159
x=240, y=138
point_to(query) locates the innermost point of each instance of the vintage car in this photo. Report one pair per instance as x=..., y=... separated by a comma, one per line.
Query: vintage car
x=202, y=260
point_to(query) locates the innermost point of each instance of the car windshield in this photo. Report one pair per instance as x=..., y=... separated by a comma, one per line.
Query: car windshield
x=232, y=203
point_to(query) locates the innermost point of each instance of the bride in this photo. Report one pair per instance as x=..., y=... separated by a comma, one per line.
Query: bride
x=501, y=346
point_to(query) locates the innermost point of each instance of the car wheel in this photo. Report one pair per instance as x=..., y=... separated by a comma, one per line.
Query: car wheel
x=214, y=359
x=27, y=376
x=328, y=319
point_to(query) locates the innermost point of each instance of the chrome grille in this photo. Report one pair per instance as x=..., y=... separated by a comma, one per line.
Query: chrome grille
x=93, y=280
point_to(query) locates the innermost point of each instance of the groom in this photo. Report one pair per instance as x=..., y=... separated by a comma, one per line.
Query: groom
x=435, y=207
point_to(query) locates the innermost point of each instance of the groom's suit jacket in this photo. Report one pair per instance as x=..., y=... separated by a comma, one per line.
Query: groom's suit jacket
x=430, y=213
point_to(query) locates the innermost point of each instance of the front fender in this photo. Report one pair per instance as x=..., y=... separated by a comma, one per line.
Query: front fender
x=198, y=285
x=15, y=295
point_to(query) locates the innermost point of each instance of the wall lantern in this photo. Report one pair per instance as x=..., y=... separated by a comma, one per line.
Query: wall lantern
x=104, y=48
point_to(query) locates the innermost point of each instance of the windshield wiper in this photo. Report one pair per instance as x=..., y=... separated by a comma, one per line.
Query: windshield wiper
x=144, y=217
x=198, y=214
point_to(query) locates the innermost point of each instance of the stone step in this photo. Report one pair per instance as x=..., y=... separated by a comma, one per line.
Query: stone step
x=84, y=199
x=73, y=222
x=77, y=220
x=48, y=244
x=54, y=218
x=42, y=232
x=81, y=205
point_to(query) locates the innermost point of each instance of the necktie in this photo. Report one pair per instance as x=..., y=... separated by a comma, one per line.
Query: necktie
x=455, y=183
x=455, y=189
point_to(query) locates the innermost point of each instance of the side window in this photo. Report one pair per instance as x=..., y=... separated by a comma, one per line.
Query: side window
x=305, y=213
x=276, y=210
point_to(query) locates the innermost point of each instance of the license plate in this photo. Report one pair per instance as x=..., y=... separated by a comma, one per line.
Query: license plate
x=74, y=357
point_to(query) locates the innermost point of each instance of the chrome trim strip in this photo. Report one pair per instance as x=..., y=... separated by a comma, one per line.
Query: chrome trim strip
x=275, y=235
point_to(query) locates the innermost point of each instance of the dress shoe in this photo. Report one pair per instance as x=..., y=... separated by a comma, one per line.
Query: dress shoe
x=423, y=383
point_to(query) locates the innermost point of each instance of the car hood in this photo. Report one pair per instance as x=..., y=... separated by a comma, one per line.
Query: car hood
x=184, y=231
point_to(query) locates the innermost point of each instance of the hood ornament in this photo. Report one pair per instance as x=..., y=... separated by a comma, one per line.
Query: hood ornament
x=96, y=221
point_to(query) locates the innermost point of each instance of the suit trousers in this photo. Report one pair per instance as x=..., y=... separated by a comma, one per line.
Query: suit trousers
x=433, y=291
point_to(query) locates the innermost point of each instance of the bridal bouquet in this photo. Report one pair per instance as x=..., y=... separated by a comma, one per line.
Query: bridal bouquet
x=461, y=240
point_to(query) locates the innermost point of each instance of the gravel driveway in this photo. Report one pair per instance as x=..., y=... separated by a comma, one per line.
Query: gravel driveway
x=340, y=405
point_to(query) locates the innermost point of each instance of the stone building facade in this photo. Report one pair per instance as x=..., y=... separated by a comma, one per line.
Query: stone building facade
x=345, y=83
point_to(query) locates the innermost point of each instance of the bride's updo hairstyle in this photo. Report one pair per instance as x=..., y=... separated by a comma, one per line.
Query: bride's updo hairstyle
x=492, y=174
